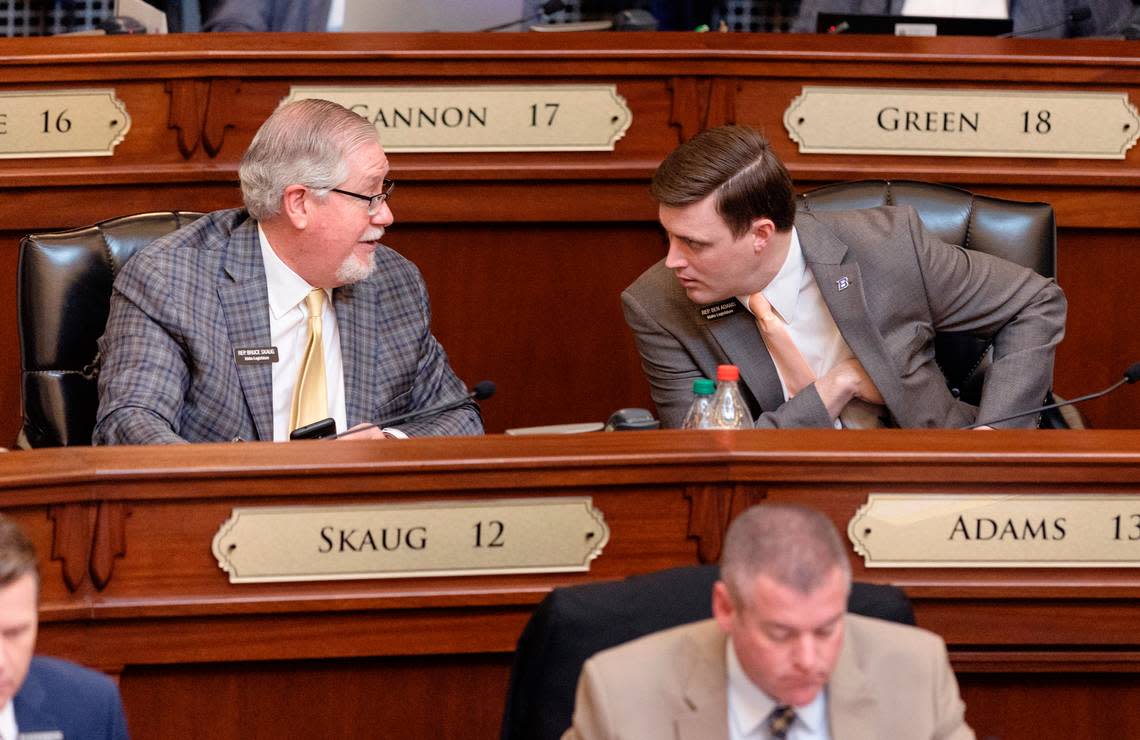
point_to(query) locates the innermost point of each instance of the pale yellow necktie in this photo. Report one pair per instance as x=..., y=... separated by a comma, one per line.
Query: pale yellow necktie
x=793, y=368
x=310, y=395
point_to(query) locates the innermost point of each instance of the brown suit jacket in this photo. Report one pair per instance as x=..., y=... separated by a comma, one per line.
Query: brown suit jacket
x=891, y=681
x=890, y=287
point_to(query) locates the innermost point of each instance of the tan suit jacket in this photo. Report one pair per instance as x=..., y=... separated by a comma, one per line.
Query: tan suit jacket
x=891, y=681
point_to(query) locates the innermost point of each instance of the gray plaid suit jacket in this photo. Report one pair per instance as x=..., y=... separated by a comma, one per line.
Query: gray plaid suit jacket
x=182, y=305
x=902, y=285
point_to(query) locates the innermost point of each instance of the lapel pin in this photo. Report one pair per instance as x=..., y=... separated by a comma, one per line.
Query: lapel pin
x=843, y=283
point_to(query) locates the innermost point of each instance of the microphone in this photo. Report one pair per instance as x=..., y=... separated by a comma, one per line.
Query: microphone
x=1131, y=375
x=1076, y=15
x=482, y=391
x=548, y=8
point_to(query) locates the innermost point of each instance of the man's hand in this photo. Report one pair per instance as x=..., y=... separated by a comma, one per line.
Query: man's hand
x=843, y=382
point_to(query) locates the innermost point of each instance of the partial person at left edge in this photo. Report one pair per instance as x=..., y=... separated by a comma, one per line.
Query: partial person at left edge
x=219, y=331
x=44, y=698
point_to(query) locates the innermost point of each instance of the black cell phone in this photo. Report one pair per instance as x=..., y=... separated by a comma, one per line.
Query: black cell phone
x=316, y=430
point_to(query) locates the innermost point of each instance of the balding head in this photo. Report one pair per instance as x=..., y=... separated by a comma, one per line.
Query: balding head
x=793, y=545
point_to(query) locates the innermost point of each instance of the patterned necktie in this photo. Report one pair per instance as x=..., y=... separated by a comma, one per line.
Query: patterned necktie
x=780, y=721
x=792, y=366
x=310, y=394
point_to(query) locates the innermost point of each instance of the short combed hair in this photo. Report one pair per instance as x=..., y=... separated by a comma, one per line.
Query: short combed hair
x=795, y=546
x=17, y=553
x=306, y=142
x=737, y=164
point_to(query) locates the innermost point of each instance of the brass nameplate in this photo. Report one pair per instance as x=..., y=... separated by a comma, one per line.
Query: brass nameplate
x=962, y=123
x=61, y=123
x=995, y=531
x=453, y=538
x=518, y=118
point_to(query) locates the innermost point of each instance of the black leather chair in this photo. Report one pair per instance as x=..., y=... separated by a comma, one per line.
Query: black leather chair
x=571, y=624
x=1024, y=233
x=64, y=293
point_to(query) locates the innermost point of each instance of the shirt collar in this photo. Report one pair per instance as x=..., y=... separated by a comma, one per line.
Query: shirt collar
x=286, y=288
x=783, y=291
x=749, y=706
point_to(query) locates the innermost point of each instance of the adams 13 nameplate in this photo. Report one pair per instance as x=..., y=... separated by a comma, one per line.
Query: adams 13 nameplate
x=925, y=530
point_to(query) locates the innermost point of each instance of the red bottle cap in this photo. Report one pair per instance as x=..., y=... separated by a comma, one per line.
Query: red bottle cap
x=727, y=372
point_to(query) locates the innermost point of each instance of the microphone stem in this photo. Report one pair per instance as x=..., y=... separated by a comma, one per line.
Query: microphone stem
x=1052, y=406
x=518, y=22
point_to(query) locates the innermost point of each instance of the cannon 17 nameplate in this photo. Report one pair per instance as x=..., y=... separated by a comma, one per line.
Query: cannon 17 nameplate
x=469, y=538
x=963, y=123
x=923, y=530
x=61, y=123
x=484, y=118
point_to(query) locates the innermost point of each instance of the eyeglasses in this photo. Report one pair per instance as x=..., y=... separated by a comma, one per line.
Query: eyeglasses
x=374, y=201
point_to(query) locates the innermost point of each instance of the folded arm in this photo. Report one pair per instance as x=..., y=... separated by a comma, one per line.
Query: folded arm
x=1021, y=312
x=671, y=370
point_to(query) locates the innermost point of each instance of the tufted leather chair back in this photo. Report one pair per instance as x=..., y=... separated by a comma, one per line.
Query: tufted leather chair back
x=1024, y=233
x=64, y=294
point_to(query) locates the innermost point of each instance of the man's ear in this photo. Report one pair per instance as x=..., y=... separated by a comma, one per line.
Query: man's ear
x=295, y=206
x=761, y=230
x=723, y=609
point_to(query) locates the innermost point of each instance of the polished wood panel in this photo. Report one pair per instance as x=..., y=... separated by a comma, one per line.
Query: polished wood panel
x=1053, y=707
x=130, y=585
x=423, y=697
x=1096, y=269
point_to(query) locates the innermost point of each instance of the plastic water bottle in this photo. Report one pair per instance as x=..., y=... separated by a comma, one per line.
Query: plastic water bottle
x=729, y=411
x=699, y=416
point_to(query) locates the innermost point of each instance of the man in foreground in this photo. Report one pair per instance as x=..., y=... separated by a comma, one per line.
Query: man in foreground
x=779, y=660
x=44, y=698
x=830, y=316
x=248, y=324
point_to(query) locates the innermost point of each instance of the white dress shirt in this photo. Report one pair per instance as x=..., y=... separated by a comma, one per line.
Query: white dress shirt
x=749, y=707
x=336, y=15
x=289, y=333
x=957, y=8
x=8, y=728
x=796, y=299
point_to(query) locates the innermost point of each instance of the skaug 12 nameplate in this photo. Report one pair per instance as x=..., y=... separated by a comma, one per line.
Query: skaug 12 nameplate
x=446, y=538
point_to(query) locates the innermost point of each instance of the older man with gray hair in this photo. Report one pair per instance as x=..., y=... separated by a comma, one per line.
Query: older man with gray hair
x=251, y=323
x=780, y=660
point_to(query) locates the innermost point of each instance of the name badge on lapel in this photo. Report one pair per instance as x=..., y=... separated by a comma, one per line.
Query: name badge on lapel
x=254, y=355
x=714, y=311
x=40, y=735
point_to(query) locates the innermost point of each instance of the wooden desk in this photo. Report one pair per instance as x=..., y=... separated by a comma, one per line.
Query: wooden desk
x=130, y=584
x=525, y=253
